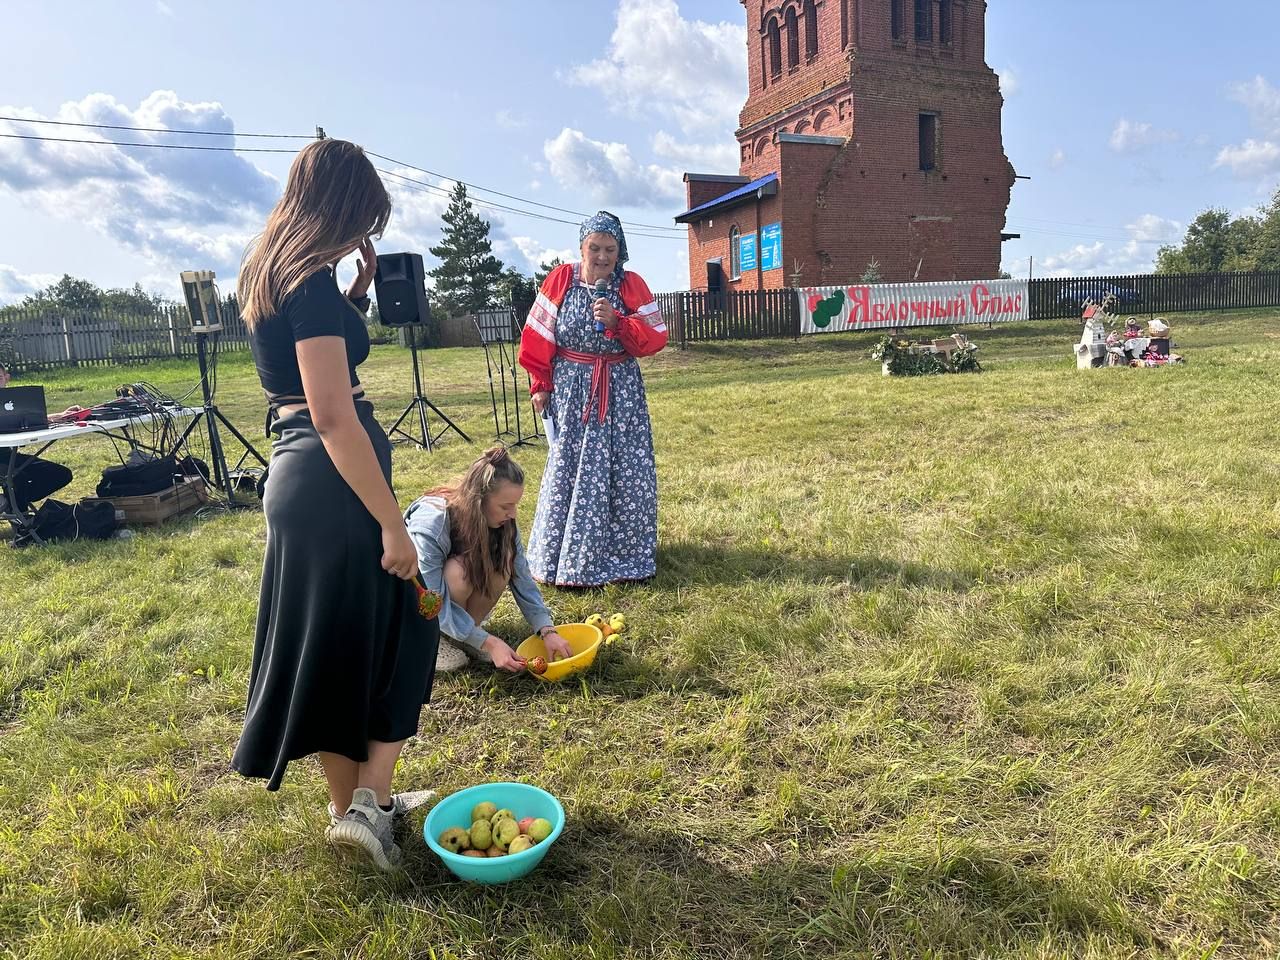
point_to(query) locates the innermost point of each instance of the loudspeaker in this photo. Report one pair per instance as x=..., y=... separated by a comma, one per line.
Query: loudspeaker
x=204, y=305
x=401, y=287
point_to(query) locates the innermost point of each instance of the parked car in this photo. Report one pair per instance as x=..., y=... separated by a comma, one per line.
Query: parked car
x=1076, y=293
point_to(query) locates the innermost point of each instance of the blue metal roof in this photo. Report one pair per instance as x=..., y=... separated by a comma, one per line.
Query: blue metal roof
x=769, y=181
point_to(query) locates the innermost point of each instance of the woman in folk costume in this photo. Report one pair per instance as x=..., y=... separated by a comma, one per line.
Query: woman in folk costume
x=597, y=515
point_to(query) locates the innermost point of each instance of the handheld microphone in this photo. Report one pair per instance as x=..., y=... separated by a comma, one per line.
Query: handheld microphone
x=602, y=288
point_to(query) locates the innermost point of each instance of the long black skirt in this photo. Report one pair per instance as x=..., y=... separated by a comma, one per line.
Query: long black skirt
x=342, y=655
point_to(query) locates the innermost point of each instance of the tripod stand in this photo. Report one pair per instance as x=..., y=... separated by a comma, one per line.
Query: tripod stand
x=499, y=332
x=211, y=416
x=419, y=405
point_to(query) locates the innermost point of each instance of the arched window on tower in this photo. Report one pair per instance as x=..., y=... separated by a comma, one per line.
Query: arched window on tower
x=775, y=48
x=945, y=13
x=735, y=253
x=810, y=29
x=793, y=39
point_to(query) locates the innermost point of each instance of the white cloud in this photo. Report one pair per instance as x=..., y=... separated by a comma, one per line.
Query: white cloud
x=416, y=212
x=417, y=219
x=1057, y=159
x=1129, y=137
x=1263, y=103
x=537, y=253
x=14, y=286
x=1250, y=160
x=163, y=8
x=509, y=121
x=608, y=173
x=1152, y=228
x=1255, y=159
x=1080, y=259
x=659, y=63
x=1010, y=84
x=697, y=157
x=177, y=208
x=1146, y=235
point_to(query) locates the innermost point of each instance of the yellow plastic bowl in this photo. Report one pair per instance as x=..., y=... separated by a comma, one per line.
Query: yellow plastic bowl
x=583, y=639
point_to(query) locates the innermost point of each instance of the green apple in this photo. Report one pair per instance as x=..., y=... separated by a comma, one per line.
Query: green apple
x=519, y=844
x=483, y=811
x=539, y=830
x=503, y=814
x=481, y=835
x=455, y=840
x=504, y=832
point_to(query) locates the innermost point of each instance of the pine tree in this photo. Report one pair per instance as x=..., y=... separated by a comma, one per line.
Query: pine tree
x=468, y=277
x=544, y=268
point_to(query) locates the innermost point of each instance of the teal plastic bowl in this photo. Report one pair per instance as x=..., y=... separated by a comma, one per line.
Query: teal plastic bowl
x=521, y=798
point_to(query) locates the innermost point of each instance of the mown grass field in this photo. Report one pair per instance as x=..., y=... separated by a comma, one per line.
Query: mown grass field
x=980, y=666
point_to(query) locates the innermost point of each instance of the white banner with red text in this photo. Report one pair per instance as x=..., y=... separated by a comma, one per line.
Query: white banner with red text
x=878, y=306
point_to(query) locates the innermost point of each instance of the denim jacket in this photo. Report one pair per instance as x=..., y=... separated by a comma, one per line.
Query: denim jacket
x=428, y=525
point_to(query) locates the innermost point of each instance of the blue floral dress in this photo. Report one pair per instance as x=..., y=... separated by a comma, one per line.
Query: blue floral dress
x=597, y=515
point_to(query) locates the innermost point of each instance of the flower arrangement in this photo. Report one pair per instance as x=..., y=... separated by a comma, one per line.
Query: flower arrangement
x=900, y=359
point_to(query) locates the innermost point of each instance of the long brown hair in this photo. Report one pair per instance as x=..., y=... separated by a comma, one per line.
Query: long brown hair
x=332, y=201
x=483, y=549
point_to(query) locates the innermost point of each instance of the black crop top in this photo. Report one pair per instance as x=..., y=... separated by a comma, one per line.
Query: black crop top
x=315, y=309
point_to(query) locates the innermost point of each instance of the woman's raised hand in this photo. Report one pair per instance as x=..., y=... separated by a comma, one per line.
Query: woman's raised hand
x=366, y=267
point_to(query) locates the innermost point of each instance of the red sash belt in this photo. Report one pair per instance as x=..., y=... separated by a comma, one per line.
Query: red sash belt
x=600, y=363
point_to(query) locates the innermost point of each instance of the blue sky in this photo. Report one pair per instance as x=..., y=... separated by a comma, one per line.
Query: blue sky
x=1124, y=121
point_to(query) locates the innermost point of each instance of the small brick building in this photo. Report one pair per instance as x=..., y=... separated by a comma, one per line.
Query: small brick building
x=871, y=132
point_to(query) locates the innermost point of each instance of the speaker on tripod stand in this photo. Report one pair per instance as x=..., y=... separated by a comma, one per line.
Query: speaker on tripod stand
x=205, y=310
x=401, y=288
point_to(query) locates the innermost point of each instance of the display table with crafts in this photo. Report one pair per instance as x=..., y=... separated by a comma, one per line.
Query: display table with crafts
x=120, y=428
x=1135, y=347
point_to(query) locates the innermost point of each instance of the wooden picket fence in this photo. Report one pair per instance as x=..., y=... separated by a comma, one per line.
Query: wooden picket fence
x=41, y=338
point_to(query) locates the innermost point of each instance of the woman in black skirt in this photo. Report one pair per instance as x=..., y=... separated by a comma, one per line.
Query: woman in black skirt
x=343, y=659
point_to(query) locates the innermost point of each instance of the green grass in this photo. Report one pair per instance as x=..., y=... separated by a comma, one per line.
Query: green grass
x=972, y=666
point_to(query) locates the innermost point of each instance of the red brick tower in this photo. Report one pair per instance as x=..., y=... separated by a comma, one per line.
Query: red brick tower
x=871, y=132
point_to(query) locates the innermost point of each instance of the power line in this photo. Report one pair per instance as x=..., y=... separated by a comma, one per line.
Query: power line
x=162, y=146
x=292, y=136
x=435, y=189
x=676, y=232
x=1085, y=236
x=547, y=206
x=194, y=133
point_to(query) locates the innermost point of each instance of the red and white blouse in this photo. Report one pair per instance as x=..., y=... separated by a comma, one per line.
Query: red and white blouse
x=641, y=328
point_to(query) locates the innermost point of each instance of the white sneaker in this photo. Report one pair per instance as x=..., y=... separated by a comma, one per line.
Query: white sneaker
x=366, y=828
x=404, y=802
x=450, y=657
x=411, y=800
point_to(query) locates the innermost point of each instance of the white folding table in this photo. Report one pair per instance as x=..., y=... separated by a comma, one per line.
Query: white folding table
x=23, y=520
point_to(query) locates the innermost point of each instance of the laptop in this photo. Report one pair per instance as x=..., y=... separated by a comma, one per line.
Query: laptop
x=22, y=409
